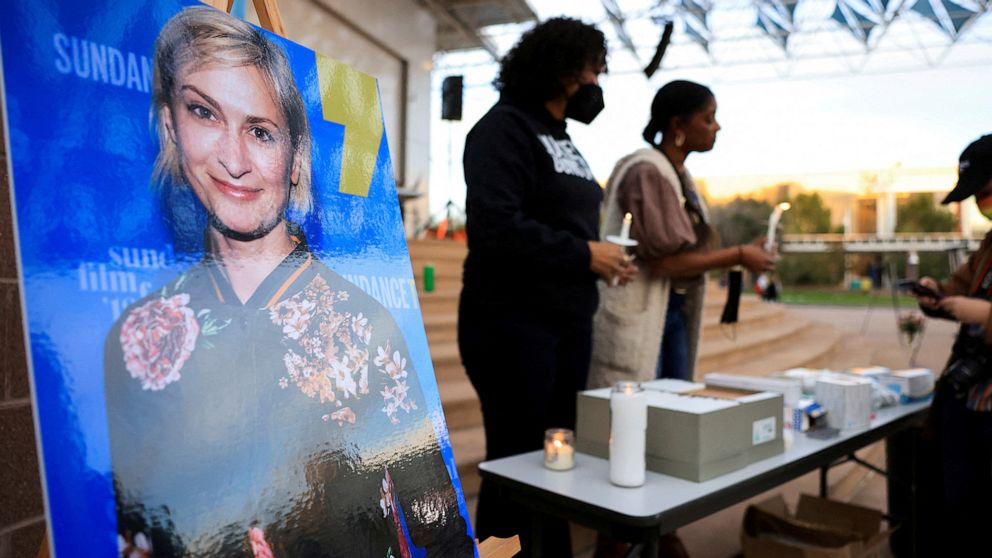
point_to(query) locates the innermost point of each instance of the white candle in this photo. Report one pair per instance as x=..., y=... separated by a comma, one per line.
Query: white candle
x=625, y=227
x=773, y=220
x=628, y=428
x=559, y=455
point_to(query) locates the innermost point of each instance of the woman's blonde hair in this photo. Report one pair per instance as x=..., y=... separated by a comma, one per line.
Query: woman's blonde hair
x=204, y=36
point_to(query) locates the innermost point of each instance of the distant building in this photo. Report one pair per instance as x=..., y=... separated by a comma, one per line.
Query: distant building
x=862, y=202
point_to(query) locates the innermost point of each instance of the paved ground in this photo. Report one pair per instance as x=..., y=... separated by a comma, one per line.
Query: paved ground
x=877, y=326
x=871, y=338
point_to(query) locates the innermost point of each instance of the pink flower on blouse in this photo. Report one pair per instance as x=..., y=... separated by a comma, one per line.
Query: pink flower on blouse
x=259, y=546
x=157, y=338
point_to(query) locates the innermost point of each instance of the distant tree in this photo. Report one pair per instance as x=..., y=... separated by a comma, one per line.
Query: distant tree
x=807, y=215
x=812, y=269
x=920, y=214
x=741, y=221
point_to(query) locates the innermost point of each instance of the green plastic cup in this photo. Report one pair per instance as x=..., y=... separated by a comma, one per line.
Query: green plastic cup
x=429, y=278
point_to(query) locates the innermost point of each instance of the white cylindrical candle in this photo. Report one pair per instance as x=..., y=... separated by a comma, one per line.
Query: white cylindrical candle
x=625, y=226
x=559, y=453
x=773, y=220
x=628, y=428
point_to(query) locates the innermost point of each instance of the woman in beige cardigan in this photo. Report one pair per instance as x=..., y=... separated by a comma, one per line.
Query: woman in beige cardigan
x=651, y=327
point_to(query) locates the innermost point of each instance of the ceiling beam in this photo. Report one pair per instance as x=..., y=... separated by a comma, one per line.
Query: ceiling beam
x=445, y=14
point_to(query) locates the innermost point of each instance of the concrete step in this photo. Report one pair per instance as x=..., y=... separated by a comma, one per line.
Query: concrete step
x=812, y=347
x=750, y=344
x=447, y=276
x=460, y=403
x=716, y=298
x=436, y=250
x=754, y=316
x=447, y=361
x=469, y=448
x=442, y=300
x=442, y=268
x=441, y=327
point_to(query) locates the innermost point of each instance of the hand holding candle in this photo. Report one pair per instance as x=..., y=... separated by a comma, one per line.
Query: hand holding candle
x=773, y=220
x=623, y=240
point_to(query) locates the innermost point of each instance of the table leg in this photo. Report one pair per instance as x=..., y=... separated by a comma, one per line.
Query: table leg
x=536, y=535
x=650, y=547
x=823, y=480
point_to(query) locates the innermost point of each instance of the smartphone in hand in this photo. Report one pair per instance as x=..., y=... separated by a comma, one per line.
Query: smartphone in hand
x=919, y=290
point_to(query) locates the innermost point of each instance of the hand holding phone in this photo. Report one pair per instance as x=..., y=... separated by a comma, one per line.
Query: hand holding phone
x=920, y=290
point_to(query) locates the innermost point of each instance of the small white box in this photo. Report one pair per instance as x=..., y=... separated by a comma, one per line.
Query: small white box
x=848, y=402
x=873, y=372
x=914, y=384
x=669, y=385
x=806, y=376
x=790, y=388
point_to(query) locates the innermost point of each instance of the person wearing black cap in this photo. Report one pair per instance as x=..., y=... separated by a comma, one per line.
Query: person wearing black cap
x=961, y=414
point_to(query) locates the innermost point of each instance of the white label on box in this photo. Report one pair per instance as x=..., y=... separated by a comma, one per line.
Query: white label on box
x=763, y=431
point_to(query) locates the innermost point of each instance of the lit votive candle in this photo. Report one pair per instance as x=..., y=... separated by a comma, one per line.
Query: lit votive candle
x=559, y=451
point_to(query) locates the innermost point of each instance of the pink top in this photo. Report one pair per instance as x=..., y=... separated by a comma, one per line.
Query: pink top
x=661, y=224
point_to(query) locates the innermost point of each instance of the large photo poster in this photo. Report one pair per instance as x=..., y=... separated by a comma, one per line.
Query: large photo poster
x=226, y=347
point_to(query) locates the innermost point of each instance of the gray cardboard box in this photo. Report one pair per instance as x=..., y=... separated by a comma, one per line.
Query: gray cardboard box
x=697, y=435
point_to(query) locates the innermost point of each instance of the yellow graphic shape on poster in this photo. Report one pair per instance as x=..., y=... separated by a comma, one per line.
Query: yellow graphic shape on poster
x=351, y=98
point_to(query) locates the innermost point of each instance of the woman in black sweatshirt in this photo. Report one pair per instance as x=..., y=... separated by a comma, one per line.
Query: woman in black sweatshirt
x=529, y=285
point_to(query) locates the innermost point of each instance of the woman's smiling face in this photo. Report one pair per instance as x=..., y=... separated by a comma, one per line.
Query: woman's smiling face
x=235, y=147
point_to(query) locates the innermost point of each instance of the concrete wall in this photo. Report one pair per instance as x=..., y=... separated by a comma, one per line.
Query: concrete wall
x=394, y=41
x=22, y=522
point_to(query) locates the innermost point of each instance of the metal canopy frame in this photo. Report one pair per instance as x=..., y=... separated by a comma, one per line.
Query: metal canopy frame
x=460, y=21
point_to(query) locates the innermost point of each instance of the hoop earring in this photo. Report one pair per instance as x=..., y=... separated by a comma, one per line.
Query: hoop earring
x=679, y=139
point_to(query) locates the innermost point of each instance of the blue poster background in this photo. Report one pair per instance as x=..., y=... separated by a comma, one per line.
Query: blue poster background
x=92, y=240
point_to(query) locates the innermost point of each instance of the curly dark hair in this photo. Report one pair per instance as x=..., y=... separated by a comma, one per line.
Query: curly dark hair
x=557, y=48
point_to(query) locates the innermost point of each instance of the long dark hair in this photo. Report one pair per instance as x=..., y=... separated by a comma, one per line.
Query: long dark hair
x=561, y=47
x=675, y=98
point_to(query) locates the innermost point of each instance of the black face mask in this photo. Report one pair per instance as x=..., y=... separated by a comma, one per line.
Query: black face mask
x=585, y=104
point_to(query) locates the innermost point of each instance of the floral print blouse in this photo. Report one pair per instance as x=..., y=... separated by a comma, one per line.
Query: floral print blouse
x=293, y=424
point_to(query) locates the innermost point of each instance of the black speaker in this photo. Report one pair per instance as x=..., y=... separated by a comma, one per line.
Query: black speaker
x=451, y=98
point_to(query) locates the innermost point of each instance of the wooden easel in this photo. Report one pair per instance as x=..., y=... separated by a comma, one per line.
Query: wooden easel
x=268, y=13
x=270, y=18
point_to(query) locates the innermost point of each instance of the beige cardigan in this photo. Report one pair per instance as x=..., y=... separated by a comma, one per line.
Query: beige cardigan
x=628, y=327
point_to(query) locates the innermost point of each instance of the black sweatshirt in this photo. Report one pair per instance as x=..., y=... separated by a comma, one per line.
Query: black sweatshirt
x=532, y=205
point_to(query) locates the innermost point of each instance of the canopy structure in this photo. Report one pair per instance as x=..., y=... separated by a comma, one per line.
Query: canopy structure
x=767, y=39
x=729, y=32
x=460, y=21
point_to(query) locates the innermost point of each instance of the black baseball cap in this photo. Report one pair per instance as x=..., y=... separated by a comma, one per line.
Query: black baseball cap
x=974, y=170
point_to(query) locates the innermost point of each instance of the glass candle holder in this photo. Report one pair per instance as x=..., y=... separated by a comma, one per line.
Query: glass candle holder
x=628, y=427
x=559, y=449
